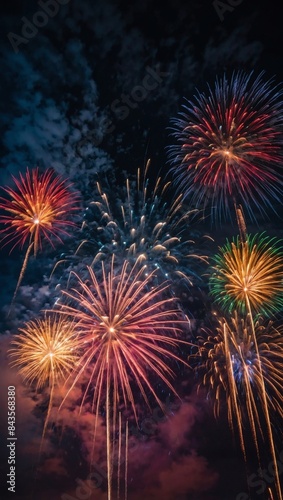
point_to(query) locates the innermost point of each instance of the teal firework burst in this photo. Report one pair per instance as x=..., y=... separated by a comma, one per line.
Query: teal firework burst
x=144, y=222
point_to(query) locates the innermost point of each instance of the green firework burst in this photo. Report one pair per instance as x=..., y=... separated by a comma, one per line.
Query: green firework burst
x=249, y=274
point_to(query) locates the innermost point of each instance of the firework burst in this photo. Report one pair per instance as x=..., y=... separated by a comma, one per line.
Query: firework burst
x=246, y=377
x=128, y=330
x=45, y=352
x=145, y=227
x=122, y=318
x=229, y=145
x=249, y=275
x=38, y=210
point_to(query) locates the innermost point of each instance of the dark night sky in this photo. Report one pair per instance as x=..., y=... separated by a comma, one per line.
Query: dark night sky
x=61, y=89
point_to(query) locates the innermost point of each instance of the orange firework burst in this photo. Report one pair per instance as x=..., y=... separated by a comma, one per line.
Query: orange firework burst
x=38, y=210
x=247, y=376
x=127, y=328
x=249, y=275
x=45, y=352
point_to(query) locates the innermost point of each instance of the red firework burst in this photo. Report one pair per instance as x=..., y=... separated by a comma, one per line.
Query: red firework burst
x=38, y=210
x=127, y=326
x=230, y=145
x=127, y=329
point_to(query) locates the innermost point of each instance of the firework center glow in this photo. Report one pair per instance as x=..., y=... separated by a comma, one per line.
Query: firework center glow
x=35, y=219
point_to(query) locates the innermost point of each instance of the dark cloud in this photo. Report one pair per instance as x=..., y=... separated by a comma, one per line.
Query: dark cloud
x=91, y=93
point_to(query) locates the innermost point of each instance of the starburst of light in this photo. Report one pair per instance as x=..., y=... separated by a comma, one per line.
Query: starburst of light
x=123, y=318
x=38, y=210
x=145, y=225
x=44, y=353
x=130, y=334
x=245, y=378
x=247, y=273
x=229, y=145
x=45, y=350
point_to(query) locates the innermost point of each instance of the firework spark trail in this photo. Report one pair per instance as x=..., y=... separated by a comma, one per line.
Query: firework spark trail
x=250, y=269
x=38, y=210
x=248, y=376
x=128, y=329
x=229, y=145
